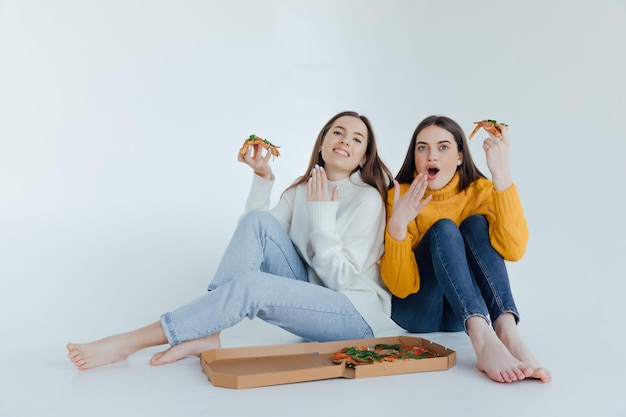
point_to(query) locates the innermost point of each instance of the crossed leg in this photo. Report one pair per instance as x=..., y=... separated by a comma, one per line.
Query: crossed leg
x=119, y=347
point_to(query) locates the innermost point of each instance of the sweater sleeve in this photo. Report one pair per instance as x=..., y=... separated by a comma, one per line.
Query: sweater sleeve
x=341, y=260
x=260, y=193
x=508, y=230
x=398, y=267
x=260, y=196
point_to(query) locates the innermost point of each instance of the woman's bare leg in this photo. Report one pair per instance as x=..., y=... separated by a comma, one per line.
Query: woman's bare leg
x=508, y=333
x=494, y=358
x=189, y=348
x=115, y=348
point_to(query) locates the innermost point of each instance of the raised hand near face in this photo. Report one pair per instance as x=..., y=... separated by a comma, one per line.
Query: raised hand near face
x=317, y=186
x=408, y=206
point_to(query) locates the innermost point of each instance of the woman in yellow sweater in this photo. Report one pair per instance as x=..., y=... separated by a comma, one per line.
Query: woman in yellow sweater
x=449, y=232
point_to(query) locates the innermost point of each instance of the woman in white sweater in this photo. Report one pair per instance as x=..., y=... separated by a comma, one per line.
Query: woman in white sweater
x=309, y=265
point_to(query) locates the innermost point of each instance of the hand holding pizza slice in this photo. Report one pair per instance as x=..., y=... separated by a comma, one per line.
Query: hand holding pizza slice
x=490, y=125
x=257, y=140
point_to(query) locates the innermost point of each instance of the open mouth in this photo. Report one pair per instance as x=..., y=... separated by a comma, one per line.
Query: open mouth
x=432, y=172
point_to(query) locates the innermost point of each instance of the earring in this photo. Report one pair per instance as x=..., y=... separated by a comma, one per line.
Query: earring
x=458, y=162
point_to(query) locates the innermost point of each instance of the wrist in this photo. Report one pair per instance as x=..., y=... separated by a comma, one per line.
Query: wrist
x=502, y=183
x=264, y=175
x=397, y=232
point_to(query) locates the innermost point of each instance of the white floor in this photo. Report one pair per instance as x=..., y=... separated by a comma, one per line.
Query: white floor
x=116, y=198
x=42, y=382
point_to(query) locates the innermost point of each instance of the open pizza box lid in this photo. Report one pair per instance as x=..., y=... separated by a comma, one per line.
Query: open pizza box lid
x=259, y=366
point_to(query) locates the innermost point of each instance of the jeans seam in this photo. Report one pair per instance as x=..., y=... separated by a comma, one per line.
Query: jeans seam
x=466, y=312
x=282, y=249
x=487, y=276
x=356, y=315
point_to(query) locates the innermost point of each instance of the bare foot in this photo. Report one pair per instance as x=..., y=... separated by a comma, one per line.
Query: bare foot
x=493, y=356
x=101, y=352
x=522, y=352
x=115, y=348
x=498, y=363
x=189, y=348
x=511, y=338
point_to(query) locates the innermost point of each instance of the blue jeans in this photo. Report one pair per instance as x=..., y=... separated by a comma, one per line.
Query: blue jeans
x=262, y=275
x=461, y=276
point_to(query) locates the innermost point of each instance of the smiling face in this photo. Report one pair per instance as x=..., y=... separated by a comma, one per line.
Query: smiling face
x=344, y=147
x=437, y=156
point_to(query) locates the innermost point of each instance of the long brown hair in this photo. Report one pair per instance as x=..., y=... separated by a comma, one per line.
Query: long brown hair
x=467, y=170
x=373, y=172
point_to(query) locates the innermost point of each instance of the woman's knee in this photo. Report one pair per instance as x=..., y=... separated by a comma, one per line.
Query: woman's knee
x=474, y=224
x=259, y=220
x=445, y=230
x=255, y=217
x=443, y=237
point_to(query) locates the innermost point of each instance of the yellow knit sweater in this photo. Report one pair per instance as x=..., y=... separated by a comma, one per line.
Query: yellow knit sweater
x=507, y=227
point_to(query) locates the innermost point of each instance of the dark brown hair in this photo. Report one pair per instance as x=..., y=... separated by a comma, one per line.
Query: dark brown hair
x=373, y=172
x=467, y=170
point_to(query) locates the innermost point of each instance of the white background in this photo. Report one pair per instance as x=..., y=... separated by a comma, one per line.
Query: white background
x=120, y=122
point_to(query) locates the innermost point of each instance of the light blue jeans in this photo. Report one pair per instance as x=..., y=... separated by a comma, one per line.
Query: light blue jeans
x=262, y=275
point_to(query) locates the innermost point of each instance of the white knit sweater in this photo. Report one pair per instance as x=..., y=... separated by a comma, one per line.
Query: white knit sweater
x=341, y=241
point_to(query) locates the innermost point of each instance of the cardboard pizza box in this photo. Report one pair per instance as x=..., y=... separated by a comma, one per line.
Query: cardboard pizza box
x=259, y=366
